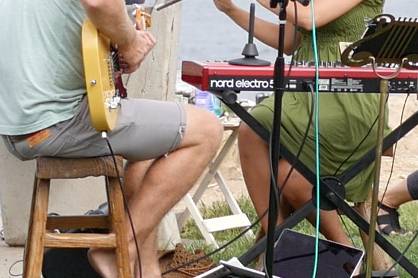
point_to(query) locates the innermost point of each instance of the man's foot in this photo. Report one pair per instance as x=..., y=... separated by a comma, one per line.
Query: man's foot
x=152, y=271
x=388, y=221
x=104, y=262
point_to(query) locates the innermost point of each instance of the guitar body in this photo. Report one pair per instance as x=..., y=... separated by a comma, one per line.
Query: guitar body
x=102, y=73
x=103, y=98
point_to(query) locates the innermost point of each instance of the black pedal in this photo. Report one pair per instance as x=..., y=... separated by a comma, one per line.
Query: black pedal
x=67, y=263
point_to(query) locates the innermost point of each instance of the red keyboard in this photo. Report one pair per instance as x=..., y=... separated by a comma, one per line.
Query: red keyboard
x=220, y=76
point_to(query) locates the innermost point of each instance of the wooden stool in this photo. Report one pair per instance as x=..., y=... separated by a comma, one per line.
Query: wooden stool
x=41, y=225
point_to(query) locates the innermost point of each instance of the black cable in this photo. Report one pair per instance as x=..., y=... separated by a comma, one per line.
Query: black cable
x=359, y=144
x=127, y=209
x=125, y=201
x=391, y=168
x=265, y=212
x=346, y=228
x=12, y=266
x=286, y=179
x=394, y=153
x=386, y=187
x=216, y=250
x=276, y=195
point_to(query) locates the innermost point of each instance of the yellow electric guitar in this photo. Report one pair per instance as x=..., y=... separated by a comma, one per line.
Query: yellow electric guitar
x=103, y=75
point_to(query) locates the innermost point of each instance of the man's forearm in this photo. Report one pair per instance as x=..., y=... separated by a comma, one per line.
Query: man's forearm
x=110, y=17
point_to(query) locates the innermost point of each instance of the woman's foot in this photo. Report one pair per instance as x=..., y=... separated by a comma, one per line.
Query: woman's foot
x=388, y=220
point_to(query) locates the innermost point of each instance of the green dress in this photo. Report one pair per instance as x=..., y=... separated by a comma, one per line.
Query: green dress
x=344, y=119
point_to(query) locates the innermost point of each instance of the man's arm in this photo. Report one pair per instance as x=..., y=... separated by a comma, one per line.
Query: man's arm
x=111, y=19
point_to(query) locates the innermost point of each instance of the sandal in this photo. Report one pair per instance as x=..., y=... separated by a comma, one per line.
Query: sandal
x=388, y=223
x=182, y=256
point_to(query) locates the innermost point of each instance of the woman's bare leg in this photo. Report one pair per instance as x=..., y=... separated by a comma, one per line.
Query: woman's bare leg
x=298, y=191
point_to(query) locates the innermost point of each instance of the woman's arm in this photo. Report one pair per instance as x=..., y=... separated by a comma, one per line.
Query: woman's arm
x=326, y=11
x=265, y=31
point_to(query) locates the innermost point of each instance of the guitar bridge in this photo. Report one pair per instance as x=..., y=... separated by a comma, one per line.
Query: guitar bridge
x=112, y=102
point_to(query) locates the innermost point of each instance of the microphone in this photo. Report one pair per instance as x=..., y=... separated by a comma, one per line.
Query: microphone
x=131, y=2
x=166, y=4
x=303, y=2
x=273, y=3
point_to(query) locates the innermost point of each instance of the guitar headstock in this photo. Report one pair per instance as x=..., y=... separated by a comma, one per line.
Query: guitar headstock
x=143, y=19
x=140, y=16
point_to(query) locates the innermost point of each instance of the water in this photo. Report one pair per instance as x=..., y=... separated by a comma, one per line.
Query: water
x=207, y=34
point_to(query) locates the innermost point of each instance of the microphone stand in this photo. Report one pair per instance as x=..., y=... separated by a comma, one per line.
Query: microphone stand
x=278, y=85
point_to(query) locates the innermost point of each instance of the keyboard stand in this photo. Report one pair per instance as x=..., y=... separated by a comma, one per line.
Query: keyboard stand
x=332, y=190
x=237, y=219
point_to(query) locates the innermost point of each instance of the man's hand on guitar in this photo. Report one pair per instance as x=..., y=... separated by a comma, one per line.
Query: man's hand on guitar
x=132, y=54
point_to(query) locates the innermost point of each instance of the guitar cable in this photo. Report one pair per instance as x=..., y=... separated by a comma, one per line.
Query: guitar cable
x=104, y=136
x=390, y=173
x=394, y=153
x=125, y=202
x=264, y=213
x=295, y=50
x=384, y=193
x=386, y=187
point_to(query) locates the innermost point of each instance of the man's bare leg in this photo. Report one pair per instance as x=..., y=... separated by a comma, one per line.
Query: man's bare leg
x=165, y=182
x=149, y=259
x=297, y=191
x=134, y=174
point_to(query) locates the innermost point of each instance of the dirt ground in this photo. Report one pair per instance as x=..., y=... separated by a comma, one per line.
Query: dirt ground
x=405, y=159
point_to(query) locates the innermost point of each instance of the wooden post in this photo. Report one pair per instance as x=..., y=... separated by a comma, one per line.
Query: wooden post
x=156, y=77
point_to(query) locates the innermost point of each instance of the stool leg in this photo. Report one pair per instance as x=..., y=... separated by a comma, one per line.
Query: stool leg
x=117, y=217
x=34, y=246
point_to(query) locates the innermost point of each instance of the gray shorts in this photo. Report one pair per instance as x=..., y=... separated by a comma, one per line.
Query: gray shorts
x=145, y=129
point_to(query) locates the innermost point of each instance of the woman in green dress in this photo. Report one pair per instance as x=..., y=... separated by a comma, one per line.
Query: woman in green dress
x=344, y=119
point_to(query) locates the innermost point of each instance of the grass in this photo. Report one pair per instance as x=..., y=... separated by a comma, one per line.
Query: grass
x=409, y=220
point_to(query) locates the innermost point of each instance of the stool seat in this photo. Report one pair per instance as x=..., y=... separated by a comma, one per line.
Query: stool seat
x=41, y=233
x=70, y=168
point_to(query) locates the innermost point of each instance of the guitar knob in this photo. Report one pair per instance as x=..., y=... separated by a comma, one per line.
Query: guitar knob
x=93, y=82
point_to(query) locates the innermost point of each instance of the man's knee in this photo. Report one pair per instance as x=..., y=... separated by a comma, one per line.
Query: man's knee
x=204, y=127
x=215, y=130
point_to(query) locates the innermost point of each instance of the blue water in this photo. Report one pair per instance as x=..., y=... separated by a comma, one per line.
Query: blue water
x=207, y=34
